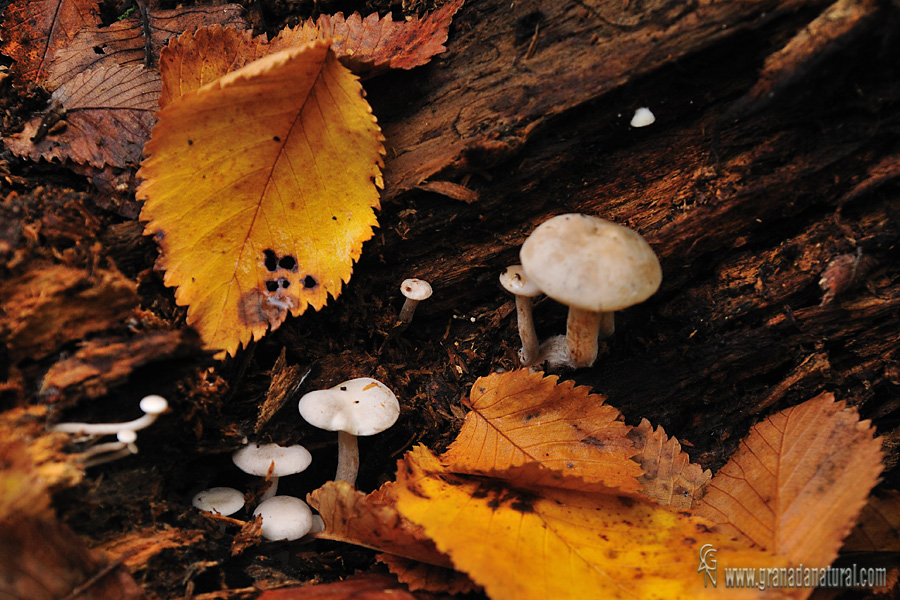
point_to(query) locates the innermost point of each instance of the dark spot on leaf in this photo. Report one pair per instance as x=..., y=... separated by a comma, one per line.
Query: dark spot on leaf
x=530, y=416
x=689, y=541
x=494, y=503
x=626, y=501
x=592, y=441
x=702, y=528
x=285, y=284
x=271, y=260
x=310, y=282
x=272, y=286
x=449, y=480
x=276, y=138
x=99, y=50
x=190, y=142
x=287, y=262
x=334, y=218
x=523, y=505
x=480, y=493
x=684, y=513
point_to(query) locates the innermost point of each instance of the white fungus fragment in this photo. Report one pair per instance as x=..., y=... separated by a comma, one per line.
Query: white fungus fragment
x=642, y=117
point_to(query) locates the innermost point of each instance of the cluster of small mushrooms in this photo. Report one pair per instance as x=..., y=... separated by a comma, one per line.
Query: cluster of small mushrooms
x=358, y=407
x=126, y=433
x=593, y=266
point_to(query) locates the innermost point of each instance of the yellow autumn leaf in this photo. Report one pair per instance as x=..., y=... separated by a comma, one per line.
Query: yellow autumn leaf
x=562, y=543
x=260, y=188
x=532, y=430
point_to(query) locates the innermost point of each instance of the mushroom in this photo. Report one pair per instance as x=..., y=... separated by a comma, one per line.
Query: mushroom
x=593, y=266
x=362, y=406
x=110, y=451
x=514, y=281
x=414, y=290
x=257, y=459
x=221, y=500
x=284, y=518
x=152, y=405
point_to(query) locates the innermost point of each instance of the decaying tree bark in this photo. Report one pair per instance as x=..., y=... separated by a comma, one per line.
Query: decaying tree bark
x=767, y=186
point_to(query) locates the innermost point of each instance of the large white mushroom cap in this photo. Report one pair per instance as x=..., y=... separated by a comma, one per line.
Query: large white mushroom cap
x=284, y=518
x=362, y=406
x=590, y=263
x=255, y=459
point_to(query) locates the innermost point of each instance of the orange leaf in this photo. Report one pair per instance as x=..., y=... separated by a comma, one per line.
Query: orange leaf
x=109, y=114
x=669, y=476
x=798, y=481
x=370, y=45
x=367, y=46
x=122, y=43
x=529, y=429
x=370, y=520
x=563, y=544
x=260, y=190
x=430, y=578
x=33, y=30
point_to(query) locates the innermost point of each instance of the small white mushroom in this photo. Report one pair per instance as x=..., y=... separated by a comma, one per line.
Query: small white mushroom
x=152, y=405
x=257, y=459
x=514, y=281
x=643, y=117
x=284, y=518
x=362, y=406
x=221, y=500
x=99, y=454
x=593, y=266
x=414, y=290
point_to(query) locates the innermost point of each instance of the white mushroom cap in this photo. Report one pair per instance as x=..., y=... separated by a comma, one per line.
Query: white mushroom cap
x=362, y=406
x=255, y=459
x=514, y=281
x=284, y=518
x=416, y=289
x=154, y=405
x=590, y=263
x=643, y=117
x=223, y=500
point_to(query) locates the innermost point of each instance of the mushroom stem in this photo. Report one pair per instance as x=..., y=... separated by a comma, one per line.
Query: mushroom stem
x=527, y=333
x=152, y=406
x=407, y=312
x=582, y=335
x=271, y=490
x=348, y=458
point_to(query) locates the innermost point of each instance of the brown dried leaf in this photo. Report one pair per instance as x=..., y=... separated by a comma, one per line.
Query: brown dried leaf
x=52, y=305
x=429, y=578
x=33, y=30
x=527, y=428
x=122, y=43
x=197, y=58
x=367, y=46
x=109, y=115
x=285, y=380
x=368, y=586
x=371, y=521
x=370, y=46
x=669, y=476
x=878, y=526
x=44, y=560
x=798, y=481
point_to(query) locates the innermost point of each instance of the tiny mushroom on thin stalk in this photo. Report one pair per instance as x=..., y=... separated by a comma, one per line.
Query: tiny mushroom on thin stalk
x=152, y=405
x=362, y=406
x=257, y=459
x=514, y=281
x=595, y=267
x=284, y=518
x=414, y=290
